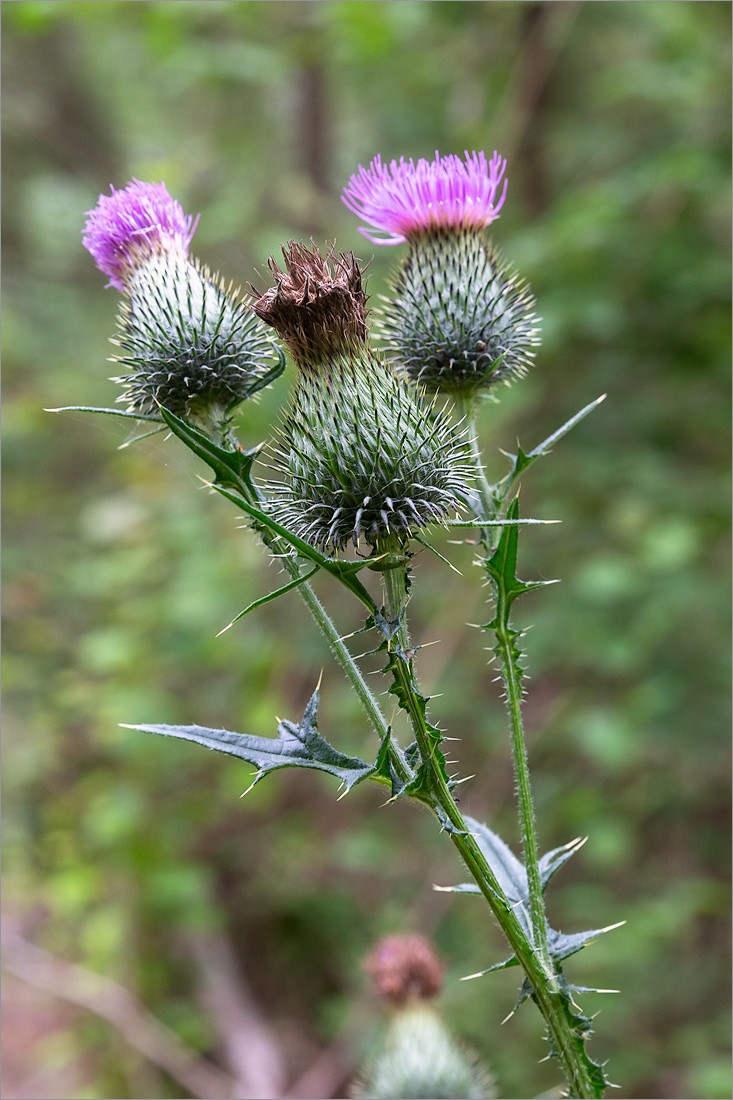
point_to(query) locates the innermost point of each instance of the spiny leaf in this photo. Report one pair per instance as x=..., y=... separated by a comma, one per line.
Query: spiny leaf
x=505, y=965
x=410, y=699
x=502, y=568
x=563, y=945
x=232, y=467
x=552, y=861
x=509, y=871
x=512, y=877
x=521, y=460
x=299, y=746
x=385, y=626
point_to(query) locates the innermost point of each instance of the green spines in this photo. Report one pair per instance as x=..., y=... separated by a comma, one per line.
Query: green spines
x=460, y=320
x=420, y=1058
x=362, y=459
x=191, y=345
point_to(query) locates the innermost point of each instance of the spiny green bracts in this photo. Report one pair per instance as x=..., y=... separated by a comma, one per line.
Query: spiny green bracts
x=362, y=460
x=420, y=1058
x=459, y=320
x=190, y=343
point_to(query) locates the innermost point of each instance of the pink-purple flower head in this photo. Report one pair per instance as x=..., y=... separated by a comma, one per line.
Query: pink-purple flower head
x=405, y=199
x=129, y=225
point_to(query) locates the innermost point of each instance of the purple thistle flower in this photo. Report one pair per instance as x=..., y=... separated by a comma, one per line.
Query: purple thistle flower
x=130, y=225
x=406, y=199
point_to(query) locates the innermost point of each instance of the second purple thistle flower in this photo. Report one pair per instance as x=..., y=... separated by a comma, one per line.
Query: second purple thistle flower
x=459, y=319
x=404, y=199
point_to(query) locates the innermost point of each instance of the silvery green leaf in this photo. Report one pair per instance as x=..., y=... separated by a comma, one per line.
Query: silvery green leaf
x=299, y=746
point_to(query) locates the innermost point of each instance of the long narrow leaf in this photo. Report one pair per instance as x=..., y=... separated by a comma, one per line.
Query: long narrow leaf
x=343, y=571
x=521, y=460
x=269, y=597
x=546, y=444
x=105, y=412
x=495, y=522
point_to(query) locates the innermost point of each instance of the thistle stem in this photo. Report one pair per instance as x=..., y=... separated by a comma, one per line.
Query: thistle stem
x=490, y=502
x=512, y=684
x=466, y=408
x=552, y=1002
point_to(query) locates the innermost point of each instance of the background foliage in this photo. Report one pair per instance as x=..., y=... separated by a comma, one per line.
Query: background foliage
x=123, y=853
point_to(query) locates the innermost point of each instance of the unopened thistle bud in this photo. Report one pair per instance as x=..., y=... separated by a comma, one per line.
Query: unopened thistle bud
x=189, y=342
x=459, y=319
x=418, y=1056
x=362, y=460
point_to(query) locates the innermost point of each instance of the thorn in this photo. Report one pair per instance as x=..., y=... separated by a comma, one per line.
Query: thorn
x=507, y=1018
x=459, y=781
x=258, y=776
x=478, y=974
x=320, y=678
x=610, y=927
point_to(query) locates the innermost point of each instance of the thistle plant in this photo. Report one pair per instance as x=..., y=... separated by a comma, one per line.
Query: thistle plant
x=377, y=450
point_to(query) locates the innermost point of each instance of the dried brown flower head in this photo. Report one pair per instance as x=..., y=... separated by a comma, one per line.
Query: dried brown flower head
x=318, y=303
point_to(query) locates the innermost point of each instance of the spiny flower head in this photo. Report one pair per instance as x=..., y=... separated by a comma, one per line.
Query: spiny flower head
x=190, y=342
x=405, y=199
x=459, y=319
x=133, y=223
x=360, y=457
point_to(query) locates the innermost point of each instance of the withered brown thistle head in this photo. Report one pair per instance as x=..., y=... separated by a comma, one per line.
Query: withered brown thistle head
x=318, y=303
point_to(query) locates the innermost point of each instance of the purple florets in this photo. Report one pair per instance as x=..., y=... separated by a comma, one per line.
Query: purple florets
x=405, y=198
x=128, y=225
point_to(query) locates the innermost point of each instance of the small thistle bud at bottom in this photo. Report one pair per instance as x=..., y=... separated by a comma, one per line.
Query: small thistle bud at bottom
x=420, y=1058
x=404, y=967
x=459, y=320
x=190, y=344
x=362, y=459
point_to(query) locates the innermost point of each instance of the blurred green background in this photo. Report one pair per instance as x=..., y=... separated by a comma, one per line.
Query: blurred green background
x=135, y=859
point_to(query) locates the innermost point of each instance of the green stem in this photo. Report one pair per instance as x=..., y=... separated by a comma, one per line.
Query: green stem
x=513, y=687
x=491, y=503
x=552, y=1002
x=466, y=407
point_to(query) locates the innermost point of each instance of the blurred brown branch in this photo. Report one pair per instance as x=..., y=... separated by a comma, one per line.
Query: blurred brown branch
x=251, y=1051
x=121, y=1009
